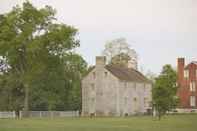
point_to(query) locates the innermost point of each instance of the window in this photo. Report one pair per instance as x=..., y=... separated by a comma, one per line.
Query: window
x=125, y=100
x=196, y=73
x=186, y=73
x=125, y=85
x=193, y=86
x=92, y=87
x=135, y=86
x=145, y=102
x=192, y=101
x=93, y=100
x=94, y=75
x=135, y=99
x=144, y=89
x=105, y=74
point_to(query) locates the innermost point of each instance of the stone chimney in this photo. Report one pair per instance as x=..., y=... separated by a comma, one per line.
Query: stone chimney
x=180, y=69
x=100, y=61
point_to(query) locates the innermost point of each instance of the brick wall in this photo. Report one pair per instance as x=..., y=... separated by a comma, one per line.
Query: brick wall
x=184, y=91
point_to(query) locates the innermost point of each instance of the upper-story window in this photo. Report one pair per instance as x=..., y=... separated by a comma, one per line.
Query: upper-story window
x=125, y=100
x=193, y=86
x=135, y=99
x=196, y=73
x=94, y=75
x=92, y=87
x=186, y=73
x=144, y=88
x=105, y=74
x=135, y=86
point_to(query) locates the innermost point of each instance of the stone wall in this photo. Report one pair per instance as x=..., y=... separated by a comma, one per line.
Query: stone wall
x=103, y=94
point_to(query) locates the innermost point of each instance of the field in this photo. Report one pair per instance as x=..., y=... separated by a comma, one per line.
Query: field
x=141, y=123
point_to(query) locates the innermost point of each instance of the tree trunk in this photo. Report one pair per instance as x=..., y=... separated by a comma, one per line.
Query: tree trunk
x=26, y=101
x=159, y=115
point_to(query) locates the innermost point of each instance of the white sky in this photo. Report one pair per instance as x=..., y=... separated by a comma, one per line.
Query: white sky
x=159, y=30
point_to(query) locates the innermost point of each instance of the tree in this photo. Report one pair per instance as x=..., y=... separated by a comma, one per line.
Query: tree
x=164, y=91
x=121, y=59
x=29, y=37
x=151, y=76
x=58, y=87
x=75, y=69
x=3, y=65
x=117, y=49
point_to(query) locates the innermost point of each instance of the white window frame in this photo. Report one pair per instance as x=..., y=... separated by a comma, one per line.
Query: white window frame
x=186, y=74
x=192, y=101
x=192, y=86
x=196, y=73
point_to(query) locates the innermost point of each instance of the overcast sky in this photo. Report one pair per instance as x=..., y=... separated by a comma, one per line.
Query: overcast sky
x=159, y=30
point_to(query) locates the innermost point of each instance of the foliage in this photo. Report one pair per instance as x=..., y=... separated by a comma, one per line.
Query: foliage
x=58, y=88
x=164, y=91
x=119, y=47
x=151, y=76
x=38, y=49
x=121, y=59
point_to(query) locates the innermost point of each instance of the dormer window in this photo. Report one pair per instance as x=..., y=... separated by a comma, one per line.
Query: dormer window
x=186, y=73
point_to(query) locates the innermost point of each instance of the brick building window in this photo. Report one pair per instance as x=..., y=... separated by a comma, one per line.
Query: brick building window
x=192, y=86
x=186, y=73
x=192, y=101
x=196, y=73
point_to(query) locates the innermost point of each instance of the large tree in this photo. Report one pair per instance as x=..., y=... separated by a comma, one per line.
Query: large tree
x=28, y=38
x=58, y=87
x=118, y=50
x=121, y=59
x=164, y=91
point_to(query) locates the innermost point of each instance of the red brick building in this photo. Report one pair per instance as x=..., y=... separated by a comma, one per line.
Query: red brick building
x=187, y=82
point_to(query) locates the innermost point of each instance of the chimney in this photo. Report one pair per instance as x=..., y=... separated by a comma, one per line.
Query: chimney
x=180, y=69
x=100, y=61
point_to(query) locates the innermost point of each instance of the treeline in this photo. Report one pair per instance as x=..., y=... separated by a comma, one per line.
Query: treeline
x=38, y=68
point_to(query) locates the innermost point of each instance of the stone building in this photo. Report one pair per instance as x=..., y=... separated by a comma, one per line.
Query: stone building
x=115, y=91
x=187, y=83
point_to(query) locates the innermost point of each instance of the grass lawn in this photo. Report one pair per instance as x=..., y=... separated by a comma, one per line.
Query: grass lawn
x=141, y=123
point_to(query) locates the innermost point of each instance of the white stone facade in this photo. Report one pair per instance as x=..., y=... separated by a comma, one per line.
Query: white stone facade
x=103, y=94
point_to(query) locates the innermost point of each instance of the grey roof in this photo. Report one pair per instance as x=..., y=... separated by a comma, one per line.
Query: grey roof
x=127, y=74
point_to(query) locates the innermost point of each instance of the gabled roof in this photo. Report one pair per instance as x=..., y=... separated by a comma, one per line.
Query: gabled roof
x=127, y=74
x=195, y=62
x=124, y=74
x=190, y=64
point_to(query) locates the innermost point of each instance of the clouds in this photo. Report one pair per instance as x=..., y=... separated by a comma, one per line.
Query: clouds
x=162, y=29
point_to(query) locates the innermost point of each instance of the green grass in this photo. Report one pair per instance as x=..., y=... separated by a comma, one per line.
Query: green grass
x=141, y=123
